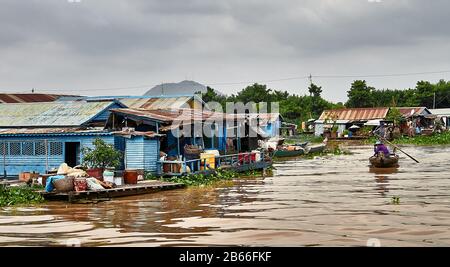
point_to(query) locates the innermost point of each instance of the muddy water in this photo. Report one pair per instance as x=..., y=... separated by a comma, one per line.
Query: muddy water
x=331, y=201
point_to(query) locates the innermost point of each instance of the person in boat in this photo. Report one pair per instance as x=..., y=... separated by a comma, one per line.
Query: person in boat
x=381, y=148
x=380, y=130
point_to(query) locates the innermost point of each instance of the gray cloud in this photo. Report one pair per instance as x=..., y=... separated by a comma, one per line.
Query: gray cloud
x=99, y=43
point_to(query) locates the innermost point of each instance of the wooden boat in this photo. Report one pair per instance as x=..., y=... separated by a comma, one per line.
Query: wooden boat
x=283, y=153
x=381, y=161
x=316, y=148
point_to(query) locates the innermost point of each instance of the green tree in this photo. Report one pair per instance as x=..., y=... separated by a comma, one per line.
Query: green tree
x=425, y=93
x=394, y=115
x=360, y=95
x=315, y=90
x=103, y=155
x=256, y=93
x=211, y=95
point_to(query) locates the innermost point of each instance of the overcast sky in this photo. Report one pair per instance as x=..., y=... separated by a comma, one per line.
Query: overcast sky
x=100, y=44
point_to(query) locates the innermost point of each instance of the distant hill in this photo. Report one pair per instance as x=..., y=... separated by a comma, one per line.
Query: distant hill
x=181, y=88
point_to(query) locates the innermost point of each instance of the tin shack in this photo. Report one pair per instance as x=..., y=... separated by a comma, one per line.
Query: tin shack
x=37, y=137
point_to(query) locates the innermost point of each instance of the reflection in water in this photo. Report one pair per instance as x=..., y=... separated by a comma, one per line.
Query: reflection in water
x=335, y=200
x=382, y=184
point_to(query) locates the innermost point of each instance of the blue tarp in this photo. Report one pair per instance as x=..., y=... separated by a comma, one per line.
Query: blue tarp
x=49, y=184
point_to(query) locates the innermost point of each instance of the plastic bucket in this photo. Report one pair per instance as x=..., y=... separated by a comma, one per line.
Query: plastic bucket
x=130, y=176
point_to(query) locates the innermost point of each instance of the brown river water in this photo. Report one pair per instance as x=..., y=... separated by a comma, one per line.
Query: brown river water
x=326, y=201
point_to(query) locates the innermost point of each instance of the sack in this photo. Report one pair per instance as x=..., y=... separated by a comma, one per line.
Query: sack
x=80, y=184
x=93, y=184
x=63, y=169
x=49, y=187
x=64, y=185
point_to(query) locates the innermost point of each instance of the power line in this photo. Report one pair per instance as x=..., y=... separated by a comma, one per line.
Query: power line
x=259, y=81
x=383, y=75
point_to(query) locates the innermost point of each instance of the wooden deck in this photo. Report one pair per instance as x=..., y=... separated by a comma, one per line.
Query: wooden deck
x=143, y=187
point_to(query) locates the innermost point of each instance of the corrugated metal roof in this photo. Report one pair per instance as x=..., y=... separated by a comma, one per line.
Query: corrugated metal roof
x=158, y=103
x=413, y=111
x=53, y=131
x=441, y=111
x=354, y=114
x=28, y=98
x=169, y=115
x=50, y=114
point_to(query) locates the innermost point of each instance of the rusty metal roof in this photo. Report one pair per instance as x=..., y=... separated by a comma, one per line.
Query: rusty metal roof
x=50, y=114
x=413, y=111
x=354, y=114
x=170, y=115
x=159, y=102
x=28, y=98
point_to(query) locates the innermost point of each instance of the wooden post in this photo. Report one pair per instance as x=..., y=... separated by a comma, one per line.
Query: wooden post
x=4, y=160
x=113, y=121
x=46, y=155
x=178, y=141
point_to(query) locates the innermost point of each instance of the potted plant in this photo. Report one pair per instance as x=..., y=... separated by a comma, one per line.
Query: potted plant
x=102, y=156
x=334, y=131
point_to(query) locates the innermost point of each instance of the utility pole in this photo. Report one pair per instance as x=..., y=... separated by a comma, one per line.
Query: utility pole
x=310, y=79
x=434, y=100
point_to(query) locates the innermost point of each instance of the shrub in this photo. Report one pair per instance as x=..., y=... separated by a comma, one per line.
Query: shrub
x=102, y=156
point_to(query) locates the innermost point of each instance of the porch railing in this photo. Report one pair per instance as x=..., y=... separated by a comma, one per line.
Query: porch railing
x=180, y=167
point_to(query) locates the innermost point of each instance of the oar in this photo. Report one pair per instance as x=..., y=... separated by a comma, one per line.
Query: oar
x=411, y=157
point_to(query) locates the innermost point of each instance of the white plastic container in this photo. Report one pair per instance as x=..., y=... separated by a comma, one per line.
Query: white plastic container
x=108, y=176
x=257, y=155
x=118, y=181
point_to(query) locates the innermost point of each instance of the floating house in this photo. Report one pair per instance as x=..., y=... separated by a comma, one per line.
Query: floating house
x=442, y=114
x=345, y=118
x=151, y=133
x=40, y=136
x=414, y=112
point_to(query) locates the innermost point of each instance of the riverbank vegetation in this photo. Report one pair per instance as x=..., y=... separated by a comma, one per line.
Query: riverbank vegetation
x=312, y=139
x=419, y=140
x=332, y=151
x=218, y=176
x=435, y=139
x=21, y=195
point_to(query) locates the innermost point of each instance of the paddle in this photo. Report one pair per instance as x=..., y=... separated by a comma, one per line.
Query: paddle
x=411, y=157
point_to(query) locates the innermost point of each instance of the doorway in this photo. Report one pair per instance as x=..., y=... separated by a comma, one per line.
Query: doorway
x=72, y=153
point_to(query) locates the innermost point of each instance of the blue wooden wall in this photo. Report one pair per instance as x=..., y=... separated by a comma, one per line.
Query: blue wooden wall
x=23, y=157
x=142, y=153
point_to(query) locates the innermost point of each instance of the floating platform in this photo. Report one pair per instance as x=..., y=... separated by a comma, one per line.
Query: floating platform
x=260, y=165
x=141, y=188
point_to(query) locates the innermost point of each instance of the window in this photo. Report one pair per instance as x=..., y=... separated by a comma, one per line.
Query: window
x=2, y=148
x=28, y=148
x=15, y=149
x=39, y=148
x=56, y=148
